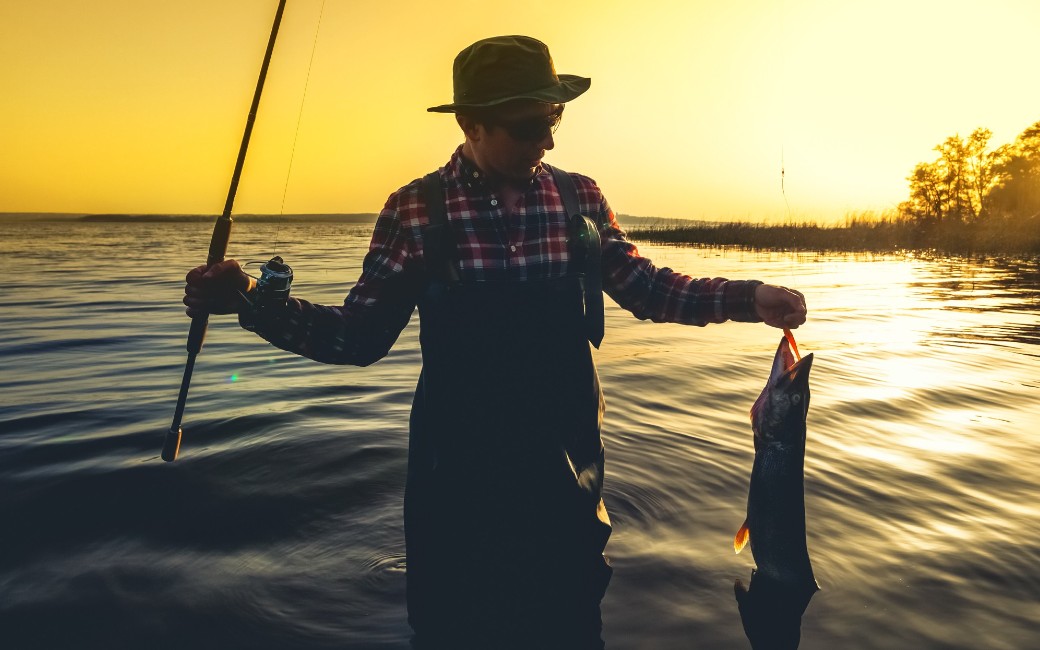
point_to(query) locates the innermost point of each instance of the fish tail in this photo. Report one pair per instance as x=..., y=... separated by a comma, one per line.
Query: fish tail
x=741, y=539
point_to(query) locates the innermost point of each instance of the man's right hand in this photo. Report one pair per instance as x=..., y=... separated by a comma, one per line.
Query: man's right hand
x=215, y=289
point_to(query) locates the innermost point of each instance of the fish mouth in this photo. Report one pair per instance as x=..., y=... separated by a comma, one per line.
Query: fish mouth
x=789, y=373
x=787, y=367
x=797, y=376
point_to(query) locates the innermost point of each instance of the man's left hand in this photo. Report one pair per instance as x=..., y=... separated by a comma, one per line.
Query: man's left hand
x=779, y=306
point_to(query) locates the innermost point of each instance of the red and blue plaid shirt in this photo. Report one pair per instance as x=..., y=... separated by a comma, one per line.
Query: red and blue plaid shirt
x=528, y=244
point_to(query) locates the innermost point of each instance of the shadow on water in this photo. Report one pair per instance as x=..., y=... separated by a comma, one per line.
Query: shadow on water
x=557, y=619
x=771, y=612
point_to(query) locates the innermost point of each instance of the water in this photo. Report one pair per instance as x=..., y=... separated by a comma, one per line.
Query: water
x=280, y=526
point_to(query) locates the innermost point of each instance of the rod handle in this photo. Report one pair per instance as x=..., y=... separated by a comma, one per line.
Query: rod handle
x=197, y=333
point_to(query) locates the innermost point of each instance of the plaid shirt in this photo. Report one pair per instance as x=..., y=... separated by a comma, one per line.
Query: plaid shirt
x=529, y=244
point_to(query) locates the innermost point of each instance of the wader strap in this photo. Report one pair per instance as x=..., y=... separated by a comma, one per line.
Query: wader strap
x=438, y=244
x=583, y=235
x=585, y=246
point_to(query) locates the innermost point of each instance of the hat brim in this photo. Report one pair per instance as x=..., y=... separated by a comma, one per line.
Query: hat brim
x=570, y=86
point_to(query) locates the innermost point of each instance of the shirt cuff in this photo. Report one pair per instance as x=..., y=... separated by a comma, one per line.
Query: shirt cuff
x=739, y=301
x=256, y=319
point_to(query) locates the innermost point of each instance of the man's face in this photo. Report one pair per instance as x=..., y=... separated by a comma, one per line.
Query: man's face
x=511, y=141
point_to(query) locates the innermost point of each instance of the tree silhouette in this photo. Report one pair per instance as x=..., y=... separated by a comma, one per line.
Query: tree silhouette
x=957, y=185
x=1018, y=193
x=969, y=182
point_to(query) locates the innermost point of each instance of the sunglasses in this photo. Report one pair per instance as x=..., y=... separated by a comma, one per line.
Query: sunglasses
x=531, y=129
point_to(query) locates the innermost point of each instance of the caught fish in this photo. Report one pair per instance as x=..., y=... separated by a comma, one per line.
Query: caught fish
x=783, y=582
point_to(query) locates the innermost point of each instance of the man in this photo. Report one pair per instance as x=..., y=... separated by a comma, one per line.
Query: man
x=504, y=257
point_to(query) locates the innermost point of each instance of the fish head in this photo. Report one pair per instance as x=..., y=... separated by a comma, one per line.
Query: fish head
x=778, y=415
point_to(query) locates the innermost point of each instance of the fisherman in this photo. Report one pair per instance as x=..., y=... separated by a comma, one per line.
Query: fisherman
x=506, y=259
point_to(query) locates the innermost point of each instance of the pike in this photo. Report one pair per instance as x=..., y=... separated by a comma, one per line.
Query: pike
x=783, y=582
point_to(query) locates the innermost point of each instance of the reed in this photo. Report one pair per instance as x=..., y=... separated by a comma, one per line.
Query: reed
x=861, y=233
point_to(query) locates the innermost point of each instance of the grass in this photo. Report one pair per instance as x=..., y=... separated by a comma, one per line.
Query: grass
x=861, y=233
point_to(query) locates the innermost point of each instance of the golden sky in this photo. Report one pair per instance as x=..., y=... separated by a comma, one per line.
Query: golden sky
x=138, y=105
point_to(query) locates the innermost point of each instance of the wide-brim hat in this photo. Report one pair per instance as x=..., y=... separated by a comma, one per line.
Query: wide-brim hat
x=506, y=68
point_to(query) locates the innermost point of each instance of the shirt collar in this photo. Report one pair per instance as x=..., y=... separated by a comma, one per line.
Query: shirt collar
x=465, y=171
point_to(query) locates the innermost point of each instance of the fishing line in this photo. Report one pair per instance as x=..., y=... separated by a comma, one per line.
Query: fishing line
x=783, y=106
x=299, y=117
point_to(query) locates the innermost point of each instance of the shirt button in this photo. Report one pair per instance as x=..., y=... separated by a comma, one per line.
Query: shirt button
x=512, y=248
x=494, y=201
x=476, y=174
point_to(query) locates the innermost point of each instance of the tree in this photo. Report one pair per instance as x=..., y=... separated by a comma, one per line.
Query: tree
x=928, y=194
x=957, y=185
x=985, y=170
x=1018, y=192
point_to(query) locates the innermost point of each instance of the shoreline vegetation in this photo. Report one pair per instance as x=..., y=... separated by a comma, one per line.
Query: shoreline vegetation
x=972, y=200
x=860, y=234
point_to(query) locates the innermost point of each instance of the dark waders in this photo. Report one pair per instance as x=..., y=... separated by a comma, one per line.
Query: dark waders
x=504, y=520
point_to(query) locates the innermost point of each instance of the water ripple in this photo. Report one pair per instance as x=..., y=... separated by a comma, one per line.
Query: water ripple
x=280, y=526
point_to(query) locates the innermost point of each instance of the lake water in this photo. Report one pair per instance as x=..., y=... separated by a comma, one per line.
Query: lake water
x=281, y=525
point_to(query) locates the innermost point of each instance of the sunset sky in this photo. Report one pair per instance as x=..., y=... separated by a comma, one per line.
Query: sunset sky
x=138, y=106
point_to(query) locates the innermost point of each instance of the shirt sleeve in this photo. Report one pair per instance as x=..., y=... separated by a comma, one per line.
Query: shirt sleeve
x=377, y=308
x=661, y=294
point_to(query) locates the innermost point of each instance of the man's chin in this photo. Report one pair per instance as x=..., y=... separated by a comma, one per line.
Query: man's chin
x=532, y=169
x=523, y=175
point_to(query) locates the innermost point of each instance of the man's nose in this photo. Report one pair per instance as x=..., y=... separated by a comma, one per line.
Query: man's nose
x=547, y=142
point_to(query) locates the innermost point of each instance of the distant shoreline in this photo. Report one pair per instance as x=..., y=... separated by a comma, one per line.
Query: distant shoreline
x=354, y=218
x=42, y=217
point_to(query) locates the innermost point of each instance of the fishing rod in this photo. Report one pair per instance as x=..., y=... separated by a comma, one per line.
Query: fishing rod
x=217, y=250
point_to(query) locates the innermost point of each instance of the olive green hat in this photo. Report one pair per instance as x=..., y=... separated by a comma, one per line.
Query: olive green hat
x=503, y=68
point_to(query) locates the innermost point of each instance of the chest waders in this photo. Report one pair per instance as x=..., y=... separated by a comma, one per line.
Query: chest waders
x=504, y=521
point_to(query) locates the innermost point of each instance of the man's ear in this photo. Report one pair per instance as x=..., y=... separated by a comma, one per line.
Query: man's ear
x=469, y=126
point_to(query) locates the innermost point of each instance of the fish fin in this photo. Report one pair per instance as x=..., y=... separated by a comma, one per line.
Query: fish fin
x=794, y=346
x=739, y=590
x=742, y=538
